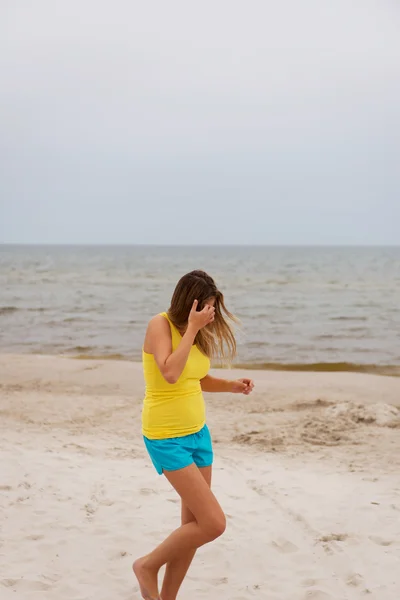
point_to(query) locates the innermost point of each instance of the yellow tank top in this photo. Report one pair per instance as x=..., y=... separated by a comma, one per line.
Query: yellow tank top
x=178, y=409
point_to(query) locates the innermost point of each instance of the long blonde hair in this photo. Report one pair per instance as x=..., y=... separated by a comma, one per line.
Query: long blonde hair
x=216, y=340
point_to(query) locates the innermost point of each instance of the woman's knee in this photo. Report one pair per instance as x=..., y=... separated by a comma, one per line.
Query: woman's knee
x=214, y=526
x=187, y=518
x=186, y=515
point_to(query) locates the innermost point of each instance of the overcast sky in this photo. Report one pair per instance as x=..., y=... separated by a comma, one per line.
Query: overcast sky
x=251, y=122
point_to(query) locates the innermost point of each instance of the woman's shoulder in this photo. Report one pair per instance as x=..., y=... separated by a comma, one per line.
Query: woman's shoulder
x=159, y=321
x=158, y=332
x=158, y=326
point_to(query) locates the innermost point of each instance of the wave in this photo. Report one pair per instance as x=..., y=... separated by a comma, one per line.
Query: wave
x=101, y=357
x=344, y=318
x=324, y=367
x=319, y=367
x=8, y=310
x=82, y=349
x=92, y=353
x=75, y=320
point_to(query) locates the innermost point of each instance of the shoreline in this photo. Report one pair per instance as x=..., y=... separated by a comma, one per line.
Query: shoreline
x=312, y=367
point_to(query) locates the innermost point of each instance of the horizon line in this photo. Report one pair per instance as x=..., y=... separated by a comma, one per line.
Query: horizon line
x=186, y=245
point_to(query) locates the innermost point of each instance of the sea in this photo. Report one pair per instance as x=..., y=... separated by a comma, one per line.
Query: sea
x=300, y=308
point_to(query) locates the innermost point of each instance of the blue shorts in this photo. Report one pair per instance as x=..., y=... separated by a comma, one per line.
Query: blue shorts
x=177, y=453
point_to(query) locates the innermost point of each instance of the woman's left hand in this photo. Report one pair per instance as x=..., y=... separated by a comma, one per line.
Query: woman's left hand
x=242, y=386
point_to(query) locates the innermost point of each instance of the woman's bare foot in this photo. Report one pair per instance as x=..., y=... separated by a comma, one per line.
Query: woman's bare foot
x=147, y=580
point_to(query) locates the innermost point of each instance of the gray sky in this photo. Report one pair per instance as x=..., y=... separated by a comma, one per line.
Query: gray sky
x=215, y=122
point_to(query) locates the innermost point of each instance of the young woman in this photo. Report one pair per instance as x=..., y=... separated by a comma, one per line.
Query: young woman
x=176, y=359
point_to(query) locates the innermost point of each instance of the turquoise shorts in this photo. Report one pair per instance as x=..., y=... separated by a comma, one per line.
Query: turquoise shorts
x=177, y=453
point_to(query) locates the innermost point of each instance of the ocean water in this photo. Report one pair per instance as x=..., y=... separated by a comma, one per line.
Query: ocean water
x=317, y=308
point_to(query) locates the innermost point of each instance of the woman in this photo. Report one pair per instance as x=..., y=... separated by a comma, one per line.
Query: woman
x=176, y=358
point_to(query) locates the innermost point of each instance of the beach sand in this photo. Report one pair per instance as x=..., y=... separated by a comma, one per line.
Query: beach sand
x=307, y=470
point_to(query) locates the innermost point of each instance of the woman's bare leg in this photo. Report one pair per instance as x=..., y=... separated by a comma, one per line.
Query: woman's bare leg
x=176, y=570
x=208, y=525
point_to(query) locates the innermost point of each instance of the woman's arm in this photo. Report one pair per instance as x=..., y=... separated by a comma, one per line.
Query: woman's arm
x=159, y=343
x=212, y=384
x=238, y=386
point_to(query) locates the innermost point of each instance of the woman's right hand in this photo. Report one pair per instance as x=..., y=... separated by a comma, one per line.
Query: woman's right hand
x=199, y=319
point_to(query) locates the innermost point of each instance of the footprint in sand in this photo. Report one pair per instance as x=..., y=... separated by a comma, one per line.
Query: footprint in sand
x=256, y=488
x=354, y=579
x=21, y=499
x=25, y=485
x=90, y=510
x=35, y=537
x=9, y=582
x=221, y=581
x=309, y=582
x=284, y=546
x=317, y=595
x=380, y=541
x=146, y=492
x=33, y=585
x=334, y=537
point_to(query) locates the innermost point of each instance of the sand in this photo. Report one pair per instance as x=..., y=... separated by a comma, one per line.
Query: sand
x=307, y=470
